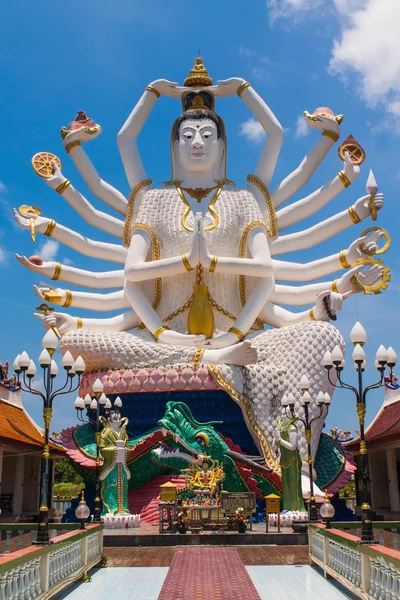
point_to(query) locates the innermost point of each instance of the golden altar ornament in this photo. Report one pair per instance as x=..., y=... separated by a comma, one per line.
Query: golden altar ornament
x=31, y=213
x=378, y=287
x=386, y=236
x=42, y=164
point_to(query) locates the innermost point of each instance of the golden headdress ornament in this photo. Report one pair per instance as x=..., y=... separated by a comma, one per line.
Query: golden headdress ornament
x=198, y=76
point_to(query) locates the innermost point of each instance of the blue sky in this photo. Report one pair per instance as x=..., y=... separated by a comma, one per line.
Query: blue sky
x=99, y=56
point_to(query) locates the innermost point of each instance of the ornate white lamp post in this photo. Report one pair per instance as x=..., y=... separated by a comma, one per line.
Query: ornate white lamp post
x=322, y=400
x=25, y=366
x=82, y=511
x=95, y=405
x=335, y=360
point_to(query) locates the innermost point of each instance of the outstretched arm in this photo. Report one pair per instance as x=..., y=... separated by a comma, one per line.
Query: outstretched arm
x=56, y=271
x=65, y=322
x=314, y=202
x=86, y=300
x=74, y=240
x=100, y=188
x=299, y=177
x=325, y=229
x=130, y=130
x=94, y=217
x=360, y=248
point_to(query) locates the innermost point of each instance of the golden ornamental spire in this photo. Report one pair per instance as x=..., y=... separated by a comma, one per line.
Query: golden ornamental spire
x=198, y=76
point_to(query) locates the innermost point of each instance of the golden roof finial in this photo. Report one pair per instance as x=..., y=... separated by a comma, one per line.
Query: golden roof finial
x=198, y=76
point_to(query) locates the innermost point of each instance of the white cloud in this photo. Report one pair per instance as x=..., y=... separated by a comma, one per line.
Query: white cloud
x=3, y=187
x=252, y=130
x=3, y=256
x=68, y=261
x=49, y=250
x=290, y=9
x=302, y=129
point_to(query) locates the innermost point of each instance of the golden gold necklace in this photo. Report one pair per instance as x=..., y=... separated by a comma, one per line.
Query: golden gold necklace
x=199, y=193
x=210, y=207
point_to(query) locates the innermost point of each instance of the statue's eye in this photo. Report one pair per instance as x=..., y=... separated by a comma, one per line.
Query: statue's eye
x=188, y=135
x=202, y=439
x=207, y=134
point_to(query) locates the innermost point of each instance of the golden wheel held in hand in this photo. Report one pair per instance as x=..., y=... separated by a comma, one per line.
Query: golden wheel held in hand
x=42, y=164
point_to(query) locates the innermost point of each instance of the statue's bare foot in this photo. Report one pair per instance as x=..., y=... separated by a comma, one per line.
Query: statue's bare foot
x=239, y=355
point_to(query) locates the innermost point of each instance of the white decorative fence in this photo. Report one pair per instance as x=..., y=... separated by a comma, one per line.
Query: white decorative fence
x=38, y=572
x=369, y=571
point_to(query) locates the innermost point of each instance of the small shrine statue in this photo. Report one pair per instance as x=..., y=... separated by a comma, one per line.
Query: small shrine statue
x=114, y=448
x=286, y=436
x=204, y=474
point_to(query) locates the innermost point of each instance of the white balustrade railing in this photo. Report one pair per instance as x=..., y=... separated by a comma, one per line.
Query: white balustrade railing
x=38, y=572
x=369, y=571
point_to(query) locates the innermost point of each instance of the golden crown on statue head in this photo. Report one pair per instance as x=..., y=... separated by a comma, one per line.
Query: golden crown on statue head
x=198, y=78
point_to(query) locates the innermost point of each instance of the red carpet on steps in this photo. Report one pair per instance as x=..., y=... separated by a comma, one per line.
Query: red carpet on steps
x=144, y=500
x=201, y=573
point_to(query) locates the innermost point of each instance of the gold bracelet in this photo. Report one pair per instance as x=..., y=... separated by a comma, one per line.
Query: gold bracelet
x=197, y=356
x=344, y=179
x=312, y=315
x=334, y=286
x=153, y=90
x=71, y=145
x=213, y=264
x=186, y=263
x=63, y=186
x=159, y=331
x=342, y=259
x=331, y=134
x=243, y=87
x=68, y=298
x=50, y=228
x=57, y=272
x=353, y=215
x=79, y=323
x=237, y=332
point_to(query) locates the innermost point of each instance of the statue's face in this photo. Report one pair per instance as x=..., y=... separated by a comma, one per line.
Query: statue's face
x=199, y=148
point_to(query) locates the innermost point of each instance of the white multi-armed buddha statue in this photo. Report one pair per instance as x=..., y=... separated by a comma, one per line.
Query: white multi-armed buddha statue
x=198, y=256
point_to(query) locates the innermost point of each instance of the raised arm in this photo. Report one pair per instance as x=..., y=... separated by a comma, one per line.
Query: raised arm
x=65, y=322
x=68, y=274
x=86, y=300
x=299, y=177
x=104, y=191
x=130, y=130
x=94, y=217
x=298, y=211
x=74, y=240
x=325, y=229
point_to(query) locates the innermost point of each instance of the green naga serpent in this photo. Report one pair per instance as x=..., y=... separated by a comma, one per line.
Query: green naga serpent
x=176, y=441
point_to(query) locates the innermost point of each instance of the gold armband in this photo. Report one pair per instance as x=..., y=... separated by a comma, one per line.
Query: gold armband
x=312, y=315
x=63, y=186
x=57, y=272
x=334, y=286
x=331, y=134
x=79, y=323
x=343, y=261
x=68, y=298
x=68, y=147
x=353, y=215
x=213, y=264
x=243, y=87
x=186, y=263
x=153, y=90
x=159, y=331
x=344, y=179
x=50, y=228
x=197, y=356
x=237, y=332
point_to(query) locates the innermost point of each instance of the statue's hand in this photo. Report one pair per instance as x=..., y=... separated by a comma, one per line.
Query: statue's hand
x=47, y=268
x=226, y=87
x=277, y=435
x=61, y=321
x=180, y=339
x=363, y=247
x=48, y=294
x=222, y=341
x=362, y=208
x=41, y=223
x=205, y=257
x=57, y=178
x=351, y=170
x=168, y=88
x=369, y=276
x=335, y=303
x=85, y=134
x=322, y=123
